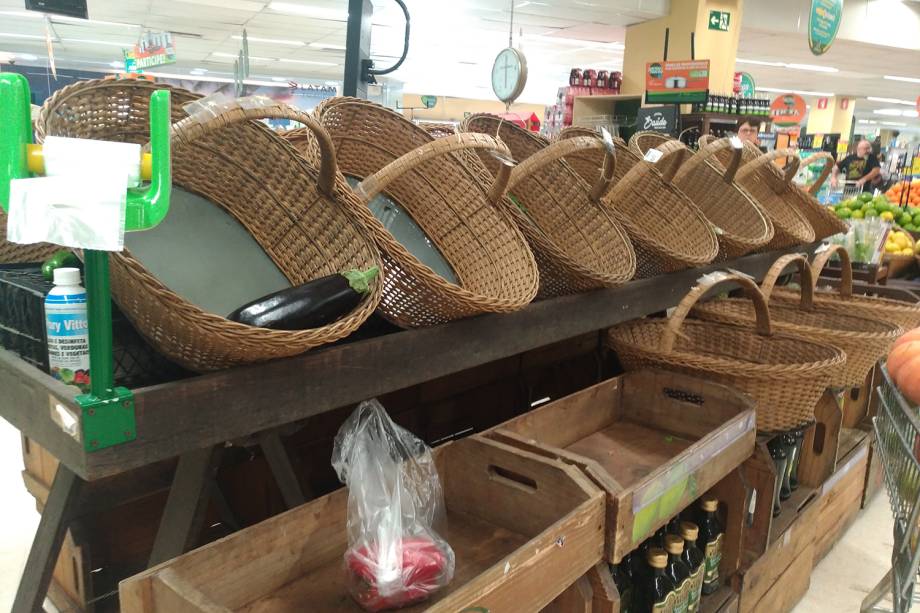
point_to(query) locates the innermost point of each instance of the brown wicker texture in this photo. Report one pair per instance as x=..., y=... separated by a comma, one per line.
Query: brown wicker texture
x=741, y=225
x=785, y=375
x=589, y=163
x=668, y=231
x=903, y=314
x=578, y=246
x=304, y=218
x=767, y=185
x=438, y=130
x=821, y=218
x=427, y=176
x=863, y=340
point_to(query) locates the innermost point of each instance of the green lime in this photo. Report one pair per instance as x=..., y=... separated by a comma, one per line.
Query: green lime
x=917, y=219
x=864, y=197
x=844, y=213
x=904, y=219
x=870, y=212
x=858, y=215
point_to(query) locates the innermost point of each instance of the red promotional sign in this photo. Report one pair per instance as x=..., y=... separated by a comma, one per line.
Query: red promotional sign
x=844, y=103
x=787, y=110
x=822, y=103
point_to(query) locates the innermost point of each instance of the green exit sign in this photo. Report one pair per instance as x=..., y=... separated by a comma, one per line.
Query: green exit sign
x=718, y=20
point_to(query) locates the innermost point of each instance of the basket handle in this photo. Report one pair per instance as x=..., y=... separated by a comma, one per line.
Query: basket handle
x=705, y=139
x=825, y=173
x=676, y=152
x=763, y=326
x=846, y=268
x=378, y=182
x=560, y=149
x=191, y=128
x=807, y=283
x=766, y=159
x=714, y=146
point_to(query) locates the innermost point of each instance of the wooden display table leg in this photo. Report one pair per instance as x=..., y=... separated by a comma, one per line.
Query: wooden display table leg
x=60, y=509
x=280, y=465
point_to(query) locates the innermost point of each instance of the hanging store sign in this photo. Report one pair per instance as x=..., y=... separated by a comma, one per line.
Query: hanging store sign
x=662, y=119
x=743, y=85
x=823, y=24
x=787, y=110
x=719, y=20
x=153, y=49
x=676, y=82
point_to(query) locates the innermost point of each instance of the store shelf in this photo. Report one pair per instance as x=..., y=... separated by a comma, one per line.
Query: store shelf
x=206, y=410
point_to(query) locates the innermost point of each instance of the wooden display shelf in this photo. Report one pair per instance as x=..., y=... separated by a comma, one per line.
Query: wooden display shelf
x=841, y=495
x=503, y=505
x=653, y=441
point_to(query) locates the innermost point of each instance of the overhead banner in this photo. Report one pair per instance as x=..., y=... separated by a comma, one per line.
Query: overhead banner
x=787, y=110
x=676, y=82
x=153, y=49
x=823, y=24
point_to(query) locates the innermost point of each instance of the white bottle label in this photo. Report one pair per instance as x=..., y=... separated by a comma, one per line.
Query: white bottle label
x=68, y=339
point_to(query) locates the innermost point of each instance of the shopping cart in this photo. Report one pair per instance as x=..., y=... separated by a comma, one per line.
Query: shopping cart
x=897, y=435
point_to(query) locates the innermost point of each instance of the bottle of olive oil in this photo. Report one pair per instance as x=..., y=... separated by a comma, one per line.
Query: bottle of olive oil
x=695, y=560
x=711, y=540
x=678, y=571
x=658, y=593
x=620, y=573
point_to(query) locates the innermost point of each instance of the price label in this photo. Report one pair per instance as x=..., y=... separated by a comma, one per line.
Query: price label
x=504, y=159
x=608, y=140
x=736, y=142
x=652, y=155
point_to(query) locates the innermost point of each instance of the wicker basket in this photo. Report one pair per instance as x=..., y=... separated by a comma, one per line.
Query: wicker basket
x=785, y=375
x=578, y=246
x=640, y=142
x=668, y=231
x=495, y=269
x=438, y=130
x=903, y=314
x=225, y=160
x=822, y=218
x=741, y=225
x=589, y=163
x=863, y=340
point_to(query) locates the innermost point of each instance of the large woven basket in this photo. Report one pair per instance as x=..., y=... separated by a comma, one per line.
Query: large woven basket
x=668, y=231
x=302, y=217
x=863, y=340
x=903, y=314
x=767, y=185
x=578, y=246
x=822, y=218
x=589, y=163
x=495, y=268
x=741, y=225
x=785, y=375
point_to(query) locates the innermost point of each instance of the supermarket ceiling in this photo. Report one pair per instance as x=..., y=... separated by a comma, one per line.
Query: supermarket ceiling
x=454, y=42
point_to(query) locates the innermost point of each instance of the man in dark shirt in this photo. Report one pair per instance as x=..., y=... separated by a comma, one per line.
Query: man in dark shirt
x=862, y=167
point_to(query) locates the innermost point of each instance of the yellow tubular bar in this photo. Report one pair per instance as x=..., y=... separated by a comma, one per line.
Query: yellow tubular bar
x=36, y=162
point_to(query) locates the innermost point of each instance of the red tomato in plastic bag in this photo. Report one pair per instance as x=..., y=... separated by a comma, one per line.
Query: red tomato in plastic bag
x=420, y=574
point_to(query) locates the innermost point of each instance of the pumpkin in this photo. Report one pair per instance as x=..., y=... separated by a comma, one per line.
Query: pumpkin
x=907, y=337
x=909, y=379
x=901, y=355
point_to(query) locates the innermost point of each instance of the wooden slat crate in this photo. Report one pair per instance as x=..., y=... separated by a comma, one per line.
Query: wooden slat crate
x=840, y=496
x=653, y=441
x=777, y=580
x=523, y=529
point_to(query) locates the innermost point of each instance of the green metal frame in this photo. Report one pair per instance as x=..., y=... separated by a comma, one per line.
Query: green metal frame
x=107, y=411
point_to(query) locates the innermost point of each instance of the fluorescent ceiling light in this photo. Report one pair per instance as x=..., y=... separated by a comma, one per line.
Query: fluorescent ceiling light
x=117, y=64
x=529, y=3
x=332, y=83
x=53, y=17
x=29, y=36
x=811, y=67
x=907, y=79
x=26, y=56
x=758, y=62
x=279, y=79
x=237, y=55
x=891, y=101
x=276, y=41
x=800, y=92
x=895, y=112
x=309, y=11
x=89, y=41
x=185, y=77
x=594, y=44
x=893, y=123
x=327, y=46
x=310, y=62
x=198, y=71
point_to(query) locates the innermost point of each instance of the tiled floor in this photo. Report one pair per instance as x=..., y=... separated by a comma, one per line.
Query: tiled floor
x=838, y=584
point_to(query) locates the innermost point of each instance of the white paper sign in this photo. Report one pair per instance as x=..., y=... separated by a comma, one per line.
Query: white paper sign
x=652, y=155
x=80, y=156
x=736, y=142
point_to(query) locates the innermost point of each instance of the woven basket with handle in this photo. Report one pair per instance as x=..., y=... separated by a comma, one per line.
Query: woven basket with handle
x=767, y=185
x=578, y=246
x=821, y=218
x=494, y=266
x=589, y=163
x=303, y=217
x=668, y=231
x=785, y=375
x=863, y=340
x=741, y=225
x=842, y=300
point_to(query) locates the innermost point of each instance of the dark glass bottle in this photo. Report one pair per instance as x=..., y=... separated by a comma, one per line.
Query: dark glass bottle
x=695, y=561
x=658, y=591
x=799, y=436
x=788, y=442
x=678, y=571
x=620, y=573
x=779, y=463
x=711, y=542
x=673, y=527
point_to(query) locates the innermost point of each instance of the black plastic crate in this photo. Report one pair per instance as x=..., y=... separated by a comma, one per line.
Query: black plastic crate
x=22, y=331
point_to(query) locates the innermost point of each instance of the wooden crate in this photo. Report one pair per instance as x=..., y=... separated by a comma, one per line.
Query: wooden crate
x=723, y=600
x=593, y=592
x=523, y=529
x=777, y=580
x=856, y=401
x=653, y=441
x=840, y=496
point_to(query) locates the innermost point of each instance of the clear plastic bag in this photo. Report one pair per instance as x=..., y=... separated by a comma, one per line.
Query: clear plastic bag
x=394, y=557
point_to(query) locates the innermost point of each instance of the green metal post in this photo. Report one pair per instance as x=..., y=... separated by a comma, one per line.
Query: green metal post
x=99, y=311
